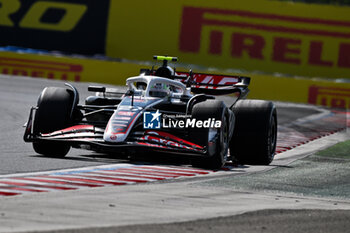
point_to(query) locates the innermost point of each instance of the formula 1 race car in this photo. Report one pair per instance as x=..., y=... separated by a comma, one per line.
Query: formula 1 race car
x=161, y=111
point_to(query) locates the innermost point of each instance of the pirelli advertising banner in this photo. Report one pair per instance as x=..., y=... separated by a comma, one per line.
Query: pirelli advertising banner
x=264, y=35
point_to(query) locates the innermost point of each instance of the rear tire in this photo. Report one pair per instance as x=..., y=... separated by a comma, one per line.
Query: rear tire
x=217, y=148
x=255, y=134
x=53, y=113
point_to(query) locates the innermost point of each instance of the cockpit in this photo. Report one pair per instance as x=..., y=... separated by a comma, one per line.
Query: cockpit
x=152, y=86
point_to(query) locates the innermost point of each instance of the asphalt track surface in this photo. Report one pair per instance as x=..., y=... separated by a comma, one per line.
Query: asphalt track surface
x=170, y=206
x=286, y=221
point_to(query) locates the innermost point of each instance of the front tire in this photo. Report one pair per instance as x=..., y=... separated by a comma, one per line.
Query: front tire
x=255, y=134
x=53, y=113
x=215, y=140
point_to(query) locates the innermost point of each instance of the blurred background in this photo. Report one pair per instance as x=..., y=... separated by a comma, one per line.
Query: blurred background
x=295, y=51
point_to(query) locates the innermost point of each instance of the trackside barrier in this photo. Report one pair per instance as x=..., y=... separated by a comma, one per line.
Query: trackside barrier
x=301, y=90
x=317, y=92
x=265, y=35
x=66, y=68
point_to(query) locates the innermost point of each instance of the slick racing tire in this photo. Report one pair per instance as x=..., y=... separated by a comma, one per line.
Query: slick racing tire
x=53, y=113
x=215, y=140
x=255, y=133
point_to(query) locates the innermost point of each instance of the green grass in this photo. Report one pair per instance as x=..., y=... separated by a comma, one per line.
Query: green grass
x=340, y=150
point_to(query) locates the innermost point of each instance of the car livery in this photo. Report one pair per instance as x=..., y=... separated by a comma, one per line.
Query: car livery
x=162, y=111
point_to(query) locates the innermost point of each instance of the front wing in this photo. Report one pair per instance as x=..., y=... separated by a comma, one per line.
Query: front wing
x=92, y=136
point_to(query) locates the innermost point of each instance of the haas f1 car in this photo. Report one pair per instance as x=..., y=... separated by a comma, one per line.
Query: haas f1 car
x=162, y=111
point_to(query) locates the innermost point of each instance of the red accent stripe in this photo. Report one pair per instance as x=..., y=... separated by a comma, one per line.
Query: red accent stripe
x=173, y=137
x=124, y=132
x=277, y=28
x=150, y=144
x=76, y=127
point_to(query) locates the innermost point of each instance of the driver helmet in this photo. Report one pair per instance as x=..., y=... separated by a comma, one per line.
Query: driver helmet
x=165, y=72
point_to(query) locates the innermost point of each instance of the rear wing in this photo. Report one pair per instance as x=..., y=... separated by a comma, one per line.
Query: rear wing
x=214, y=84
x=211, y=84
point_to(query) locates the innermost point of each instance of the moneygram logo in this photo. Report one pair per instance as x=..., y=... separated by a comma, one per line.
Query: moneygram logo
x=153, y=120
